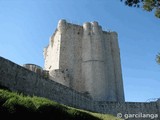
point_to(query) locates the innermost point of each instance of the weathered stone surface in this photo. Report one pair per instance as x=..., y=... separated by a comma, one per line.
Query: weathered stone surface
x=35, y=68
x=20, y=79
x=60, y=76
x=92, y=57
x=84, y=72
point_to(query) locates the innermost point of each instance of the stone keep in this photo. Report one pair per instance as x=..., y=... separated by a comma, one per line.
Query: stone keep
x=87, y=59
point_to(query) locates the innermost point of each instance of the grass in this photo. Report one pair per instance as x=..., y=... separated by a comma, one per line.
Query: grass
x=19, y=106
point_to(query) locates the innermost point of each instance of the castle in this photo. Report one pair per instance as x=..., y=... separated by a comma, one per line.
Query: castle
x=83, y=70
x=86, y=59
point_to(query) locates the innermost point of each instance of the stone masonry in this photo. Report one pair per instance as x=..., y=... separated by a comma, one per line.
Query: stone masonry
x=82, y=70
x=91, y=58
x=20, y=79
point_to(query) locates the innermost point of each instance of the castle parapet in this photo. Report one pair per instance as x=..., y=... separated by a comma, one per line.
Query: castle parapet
x=62, y=25
x=87, y=27
x=95, y=27
x=92, y=27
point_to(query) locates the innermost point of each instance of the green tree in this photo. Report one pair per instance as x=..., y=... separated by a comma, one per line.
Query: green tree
x=148, y=5
x=158, y=58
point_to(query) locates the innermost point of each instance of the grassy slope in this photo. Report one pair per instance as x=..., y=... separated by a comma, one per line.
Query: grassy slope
x=14, y=105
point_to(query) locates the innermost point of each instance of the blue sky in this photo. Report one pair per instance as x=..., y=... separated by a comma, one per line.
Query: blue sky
x=26, y=25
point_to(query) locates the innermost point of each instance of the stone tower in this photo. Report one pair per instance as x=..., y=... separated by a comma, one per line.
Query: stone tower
x=86, y=59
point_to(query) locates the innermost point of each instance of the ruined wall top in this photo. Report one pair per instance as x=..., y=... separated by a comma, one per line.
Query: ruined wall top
x=93, y=27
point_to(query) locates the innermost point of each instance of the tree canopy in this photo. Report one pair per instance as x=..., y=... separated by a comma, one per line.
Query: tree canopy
x=158, y=58
x=148, y=5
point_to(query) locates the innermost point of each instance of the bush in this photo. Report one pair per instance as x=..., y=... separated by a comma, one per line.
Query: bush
x=17, y=106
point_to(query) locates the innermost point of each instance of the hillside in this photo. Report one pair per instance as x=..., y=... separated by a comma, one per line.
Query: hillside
x=19, y=106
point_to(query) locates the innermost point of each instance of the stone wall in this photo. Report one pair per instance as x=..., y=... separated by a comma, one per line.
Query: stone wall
x=60, y=76
x=129, y=109
x=92, y=57
x=18, y=78
x=35, y=68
